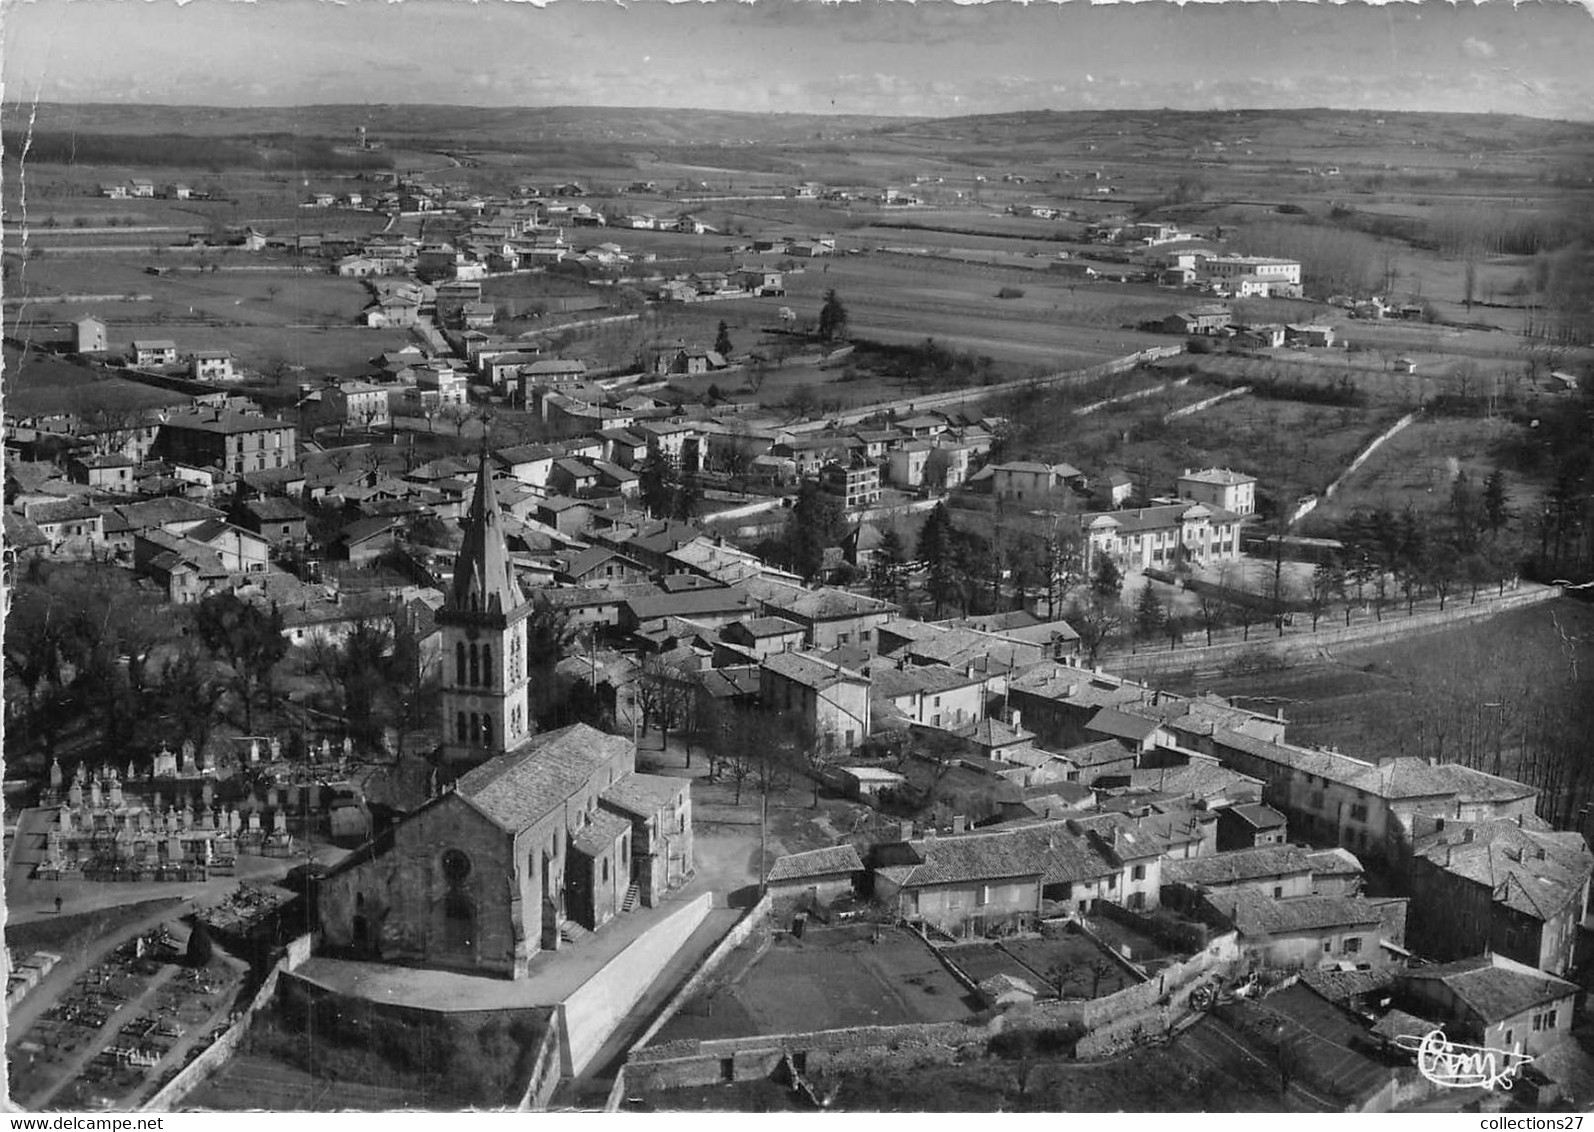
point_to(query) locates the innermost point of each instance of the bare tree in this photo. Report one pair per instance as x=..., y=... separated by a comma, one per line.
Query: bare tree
x=1211, y=611
x=1097, y=620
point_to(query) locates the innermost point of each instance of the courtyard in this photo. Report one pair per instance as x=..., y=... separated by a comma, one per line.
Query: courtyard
x=1068, y=966
x=830, y=978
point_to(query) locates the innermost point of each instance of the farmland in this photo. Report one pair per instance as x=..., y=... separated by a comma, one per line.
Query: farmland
x=1382, y=700
x=1416, y=467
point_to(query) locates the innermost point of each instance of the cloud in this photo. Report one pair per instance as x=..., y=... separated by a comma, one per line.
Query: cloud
x=1477, y=48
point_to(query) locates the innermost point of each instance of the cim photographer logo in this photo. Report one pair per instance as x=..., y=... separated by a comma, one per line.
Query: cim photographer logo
x=1455, y=1066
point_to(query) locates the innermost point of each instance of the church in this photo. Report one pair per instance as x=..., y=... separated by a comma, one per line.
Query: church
x=540, y=838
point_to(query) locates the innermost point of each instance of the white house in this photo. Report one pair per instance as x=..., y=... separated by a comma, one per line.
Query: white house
x=1221, y=488
x=212, y=365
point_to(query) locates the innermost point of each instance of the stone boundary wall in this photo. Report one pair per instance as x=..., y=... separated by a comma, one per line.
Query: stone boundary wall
x=1202, y=406
x=1137, y=395
x=544, y=1079
x=1114, y=1011
x=217, y=1054
x=979, y=393
x=582, y=324
x=1372, y=446
x=1309, y=504
x=686, y=1063
x=710, y=963
x=1115, y=1022
x=616, y=1096
x=1269, y=650
x=39, y=300
x=589, y=1014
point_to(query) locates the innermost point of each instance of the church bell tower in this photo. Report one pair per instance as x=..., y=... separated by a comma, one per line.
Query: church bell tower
x=483, y=622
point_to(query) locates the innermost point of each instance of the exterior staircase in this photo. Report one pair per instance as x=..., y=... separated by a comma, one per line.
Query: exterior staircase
x=632, y=896
x=572, y=932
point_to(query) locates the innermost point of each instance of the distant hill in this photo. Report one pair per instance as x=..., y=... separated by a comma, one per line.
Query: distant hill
x=619, y=139
x=451, y=126
x=1108, y=134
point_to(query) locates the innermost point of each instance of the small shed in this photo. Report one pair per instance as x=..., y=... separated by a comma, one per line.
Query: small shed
x=1002, y=990
x=867, y=781
x=819, y=875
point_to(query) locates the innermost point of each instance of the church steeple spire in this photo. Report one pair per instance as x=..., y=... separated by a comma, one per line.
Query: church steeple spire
x=484, y=581
x=483, y=621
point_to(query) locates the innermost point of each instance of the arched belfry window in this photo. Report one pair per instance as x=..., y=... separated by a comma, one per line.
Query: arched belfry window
x=487, y=666
x=475, y=667
x=459, y=662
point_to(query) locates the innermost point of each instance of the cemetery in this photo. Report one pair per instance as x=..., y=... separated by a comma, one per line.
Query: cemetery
x=171, y=823
x=126, y=1024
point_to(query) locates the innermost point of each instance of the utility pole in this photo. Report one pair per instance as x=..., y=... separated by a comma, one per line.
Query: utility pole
x=763, y=839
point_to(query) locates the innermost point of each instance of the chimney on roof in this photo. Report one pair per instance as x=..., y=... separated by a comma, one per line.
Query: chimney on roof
x=1539, y=855
x=1439, y=824
x=1519, y=821
x=1466, y=837
x=959, y=823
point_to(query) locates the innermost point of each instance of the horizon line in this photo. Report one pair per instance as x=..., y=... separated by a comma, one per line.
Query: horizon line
x=301, y=106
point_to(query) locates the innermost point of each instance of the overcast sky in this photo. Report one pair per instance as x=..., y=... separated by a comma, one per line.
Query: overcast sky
x=865, y=56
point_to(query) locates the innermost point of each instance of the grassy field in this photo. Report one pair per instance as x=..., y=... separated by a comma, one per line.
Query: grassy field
x=1292, y=447
x=1418, y=466
x=903, y=299
x=258, y=1082
x=1367, y=700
